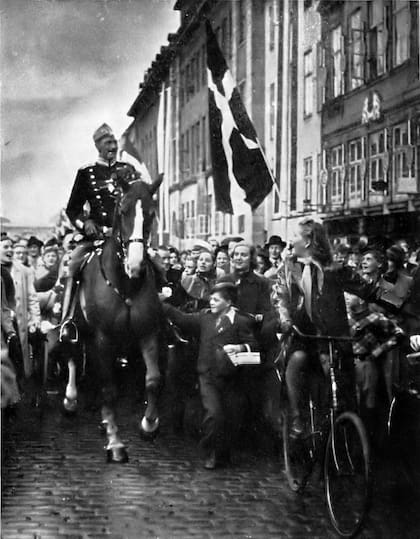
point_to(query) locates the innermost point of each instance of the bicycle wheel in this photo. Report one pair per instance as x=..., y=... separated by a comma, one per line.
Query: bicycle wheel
x=297, y=455
x=347, y=474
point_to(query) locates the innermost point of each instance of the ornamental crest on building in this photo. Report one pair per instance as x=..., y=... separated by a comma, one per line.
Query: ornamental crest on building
x=371, y=108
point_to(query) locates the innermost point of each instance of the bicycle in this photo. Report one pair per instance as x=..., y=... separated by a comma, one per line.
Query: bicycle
x=402, y=422
x=339, y=437
x=401, y=390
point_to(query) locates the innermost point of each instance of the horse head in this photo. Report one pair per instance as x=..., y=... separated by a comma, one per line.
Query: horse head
x=136, y=213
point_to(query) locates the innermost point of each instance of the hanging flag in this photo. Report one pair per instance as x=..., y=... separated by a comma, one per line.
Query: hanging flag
x=236, y=152
x=129, y=142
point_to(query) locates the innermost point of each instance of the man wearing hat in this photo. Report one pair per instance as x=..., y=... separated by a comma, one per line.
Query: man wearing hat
x=34, y=251
x=95, y=186
x=275, y=247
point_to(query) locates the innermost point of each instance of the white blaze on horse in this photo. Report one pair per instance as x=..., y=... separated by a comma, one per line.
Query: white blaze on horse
x=119, y=302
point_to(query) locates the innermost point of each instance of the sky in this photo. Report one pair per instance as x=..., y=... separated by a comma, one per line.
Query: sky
x=67, y=67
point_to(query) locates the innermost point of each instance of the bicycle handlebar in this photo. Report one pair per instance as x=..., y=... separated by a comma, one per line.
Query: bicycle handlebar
x=321, y=337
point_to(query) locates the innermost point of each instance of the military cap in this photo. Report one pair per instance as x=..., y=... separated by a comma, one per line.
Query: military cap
x=103, y=131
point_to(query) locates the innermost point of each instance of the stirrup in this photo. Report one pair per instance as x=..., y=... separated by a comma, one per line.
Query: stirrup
x=69, y=332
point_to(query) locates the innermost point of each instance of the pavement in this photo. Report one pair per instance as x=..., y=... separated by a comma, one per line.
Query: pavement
x=56, y=485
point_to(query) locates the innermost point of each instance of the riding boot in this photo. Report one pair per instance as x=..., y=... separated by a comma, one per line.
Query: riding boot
x=68, y=332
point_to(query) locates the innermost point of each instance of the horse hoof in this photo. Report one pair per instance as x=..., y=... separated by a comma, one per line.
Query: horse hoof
x=149, y=428
x=70, y=406
x=117, y=455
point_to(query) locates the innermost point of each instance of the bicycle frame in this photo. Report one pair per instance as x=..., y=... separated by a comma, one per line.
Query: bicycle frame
x=333, y=382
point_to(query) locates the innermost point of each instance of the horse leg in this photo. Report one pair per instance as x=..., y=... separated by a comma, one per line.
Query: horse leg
x=150, y=422
x=70, y=396
x=104, y=360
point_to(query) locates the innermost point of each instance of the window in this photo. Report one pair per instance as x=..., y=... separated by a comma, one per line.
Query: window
x=182, y=88
x=204, y=143
x=187, y=168
x=402, y=166
x=307, y=178
x=203, y=224
x=338, y=60
x=198, y=147
x=376, y=160
x=321, y=76
x=336, y=164
x=192, y=139
x=217, y=217
x=377, y=38
x=308, y=83
x=241, y=20
x=357, y=49
x=209, y=212
x=272, y=28
x=182, y=222
x=192, y=220
x=241, y=224
x=401, y=20
x=182, y=156
x=173, y=159
x=272, y=111
x=355, y=170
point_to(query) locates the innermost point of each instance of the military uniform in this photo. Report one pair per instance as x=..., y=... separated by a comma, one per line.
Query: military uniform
x=92, y=199
x=96, y=184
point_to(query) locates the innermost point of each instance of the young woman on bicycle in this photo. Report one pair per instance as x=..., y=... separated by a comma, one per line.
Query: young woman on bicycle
x=309, y=293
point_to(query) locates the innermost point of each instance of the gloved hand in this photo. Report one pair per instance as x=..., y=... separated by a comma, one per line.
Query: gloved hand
x=90, y=228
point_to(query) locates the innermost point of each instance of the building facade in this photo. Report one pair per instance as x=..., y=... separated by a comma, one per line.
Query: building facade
x=332, y=88
x=181, y=68
x=371, y=118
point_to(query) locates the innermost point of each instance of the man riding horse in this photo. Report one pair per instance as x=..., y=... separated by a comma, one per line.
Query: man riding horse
x=96, y=186
x=117, y=285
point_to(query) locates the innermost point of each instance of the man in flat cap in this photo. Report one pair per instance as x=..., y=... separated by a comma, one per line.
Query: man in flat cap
x=92, y=201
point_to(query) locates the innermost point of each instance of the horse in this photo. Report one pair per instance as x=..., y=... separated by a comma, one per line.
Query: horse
x=118, y=300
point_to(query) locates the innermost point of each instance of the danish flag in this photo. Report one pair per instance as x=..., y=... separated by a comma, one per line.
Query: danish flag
x=235, y=149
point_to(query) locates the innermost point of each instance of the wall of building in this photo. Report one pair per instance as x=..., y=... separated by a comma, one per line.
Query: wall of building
x=281, y=55
x=370, y=127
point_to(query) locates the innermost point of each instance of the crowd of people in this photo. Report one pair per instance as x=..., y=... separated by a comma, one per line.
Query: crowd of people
x=232, y=298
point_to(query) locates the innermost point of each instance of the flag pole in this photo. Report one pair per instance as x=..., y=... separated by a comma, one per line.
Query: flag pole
x=276, y=187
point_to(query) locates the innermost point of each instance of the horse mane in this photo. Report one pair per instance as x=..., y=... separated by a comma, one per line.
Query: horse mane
x=134, y=192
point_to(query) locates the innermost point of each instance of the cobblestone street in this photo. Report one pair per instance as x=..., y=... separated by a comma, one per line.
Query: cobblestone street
x=56, y=484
